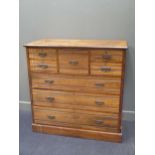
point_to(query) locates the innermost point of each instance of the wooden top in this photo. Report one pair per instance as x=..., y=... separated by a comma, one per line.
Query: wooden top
x=114, y=44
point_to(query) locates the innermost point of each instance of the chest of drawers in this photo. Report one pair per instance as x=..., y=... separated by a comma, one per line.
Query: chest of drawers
x=76, y=87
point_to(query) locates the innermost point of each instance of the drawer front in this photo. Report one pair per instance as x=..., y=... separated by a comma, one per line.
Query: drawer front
x=73, y=61
x=53, y=116
x=43, y=67
x=60, y=99
x=43, y=54
x=101, y=85
x=113, y=69
x=102, y=56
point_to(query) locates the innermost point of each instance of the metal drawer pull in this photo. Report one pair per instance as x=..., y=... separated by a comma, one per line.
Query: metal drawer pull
x=51, y=117
x=73, y=62
x=43, y=66
x=105, y=69
x=99, y=122
x=42, y=54
x=99, y=84
x=50, y=99
x=106, y=56
x=99, y=103
x=49, y=81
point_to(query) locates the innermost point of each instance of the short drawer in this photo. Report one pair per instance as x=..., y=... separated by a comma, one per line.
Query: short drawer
x=71, y=100
x=43, y=67
x=43, y=54
x=102, y=56
x=113, y=69
x=73, y=61
x=98, y=85
x=53, y=116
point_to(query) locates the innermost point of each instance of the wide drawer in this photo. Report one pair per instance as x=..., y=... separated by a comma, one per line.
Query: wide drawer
x=72, y=100
x=102, y=56
x=75, y=118
x=73, y=61
x=101, y=85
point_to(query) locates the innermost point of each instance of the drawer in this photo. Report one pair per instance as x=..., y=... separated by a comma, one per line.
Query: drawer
x=98, y=85
x=113, y=69
x=43, y=54
x=43, y=67
x=53, y=116
x=84, y=101
x=73, y=61
x=102, y=56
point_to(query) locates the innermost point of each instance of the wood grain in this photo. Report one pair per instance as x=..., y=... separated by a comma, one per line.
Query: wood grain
x=43, y=66
x=81, y=133
x=30, y=82
x=83, y=101
x=59, y=43
x=76, y=87
x=73, y=61
x=101, y=85
x=112, y=69
x=106, y=55
x=54, y=116
x=42, y=54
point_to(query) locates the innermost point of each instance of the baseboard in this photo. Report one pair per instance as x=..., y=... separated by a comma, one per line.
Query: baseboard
x=127, y=115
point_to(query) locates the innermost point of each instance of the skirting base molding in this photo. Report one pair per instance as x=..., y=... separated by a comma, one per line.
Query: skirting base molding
x=80, y=133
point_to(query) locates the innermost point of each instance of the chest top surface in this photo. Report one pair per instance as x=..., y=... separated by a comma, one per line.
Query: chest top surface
x=111, y=44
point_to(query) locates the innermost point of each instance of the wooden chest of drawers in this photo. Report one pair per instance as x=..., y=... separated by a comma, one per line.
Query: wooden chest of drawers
x=76, y=87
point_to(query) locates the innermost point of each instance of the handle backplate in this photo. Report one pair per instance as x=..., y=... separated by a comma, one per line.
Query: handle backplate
x=105, y=69
x=50, y=99
x=51, y=117
x=42, y=54
x=43, y=66
x=73, y=62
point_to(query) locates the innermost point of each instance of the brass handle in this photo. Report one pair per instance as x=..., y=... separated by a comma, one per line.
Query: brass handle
x=99, y=84
x=106, y=56
x=99, y=103
x=51, y=117
x=43, y=66
x=99, y=122
x=50, y=99
x=42, y=54
x=49, y=81
x=73, y=62
x=105, y=69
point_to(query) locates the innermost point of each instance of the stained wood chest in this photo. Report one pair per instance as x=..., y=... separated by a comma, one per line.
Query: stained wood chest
x=76, y=87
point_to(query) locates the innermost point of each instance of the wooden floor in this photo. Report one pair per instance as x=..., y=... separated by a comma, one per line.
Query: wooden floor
x=42, y=144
